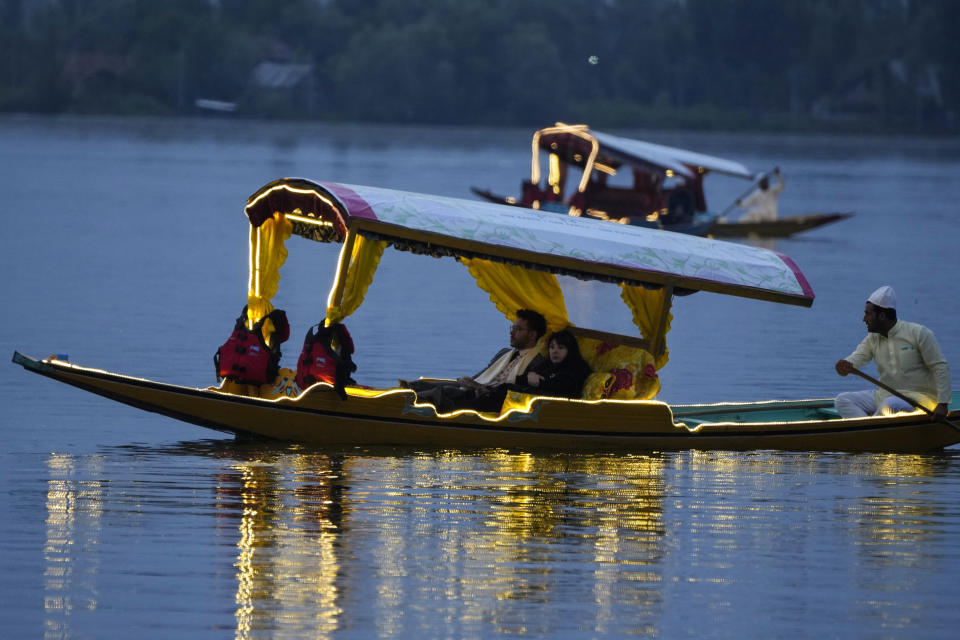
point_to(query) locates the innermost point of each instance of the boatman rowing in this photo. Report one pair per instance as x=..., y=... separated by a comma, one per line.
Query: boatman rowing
x=761, y=205
x=908, y=359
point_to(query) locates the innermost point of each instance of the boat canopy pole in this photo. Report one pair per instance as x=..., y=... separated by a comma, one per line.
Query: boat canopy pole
x=588, y=166
x=343, y=264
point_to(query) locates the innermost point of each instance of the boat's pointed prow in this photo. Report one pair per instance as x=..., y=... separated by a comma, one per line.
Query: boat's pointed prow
x=28, y=363
x=40, y=366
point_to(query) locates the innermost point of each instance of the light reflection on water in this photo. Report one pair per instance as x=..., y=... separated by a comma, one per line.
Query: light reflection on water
x=473, y=544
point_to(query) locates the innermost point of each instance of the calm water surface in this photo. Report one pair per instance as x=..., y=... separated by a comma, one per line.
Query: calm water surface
x=125, y=247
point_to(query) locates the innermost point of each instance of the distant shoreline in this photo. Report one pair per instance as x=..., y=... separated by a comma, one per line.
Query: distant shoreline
x=234, y=122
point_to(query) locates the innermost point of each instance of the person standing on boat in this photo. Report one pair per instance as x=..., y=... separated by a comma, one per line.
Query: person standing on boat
x=908, y=359
x=761, y=205
x=486, y=390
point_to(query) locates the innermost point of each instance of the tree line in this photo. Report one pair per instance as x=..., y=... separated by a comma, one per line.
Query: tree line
x=885, y=65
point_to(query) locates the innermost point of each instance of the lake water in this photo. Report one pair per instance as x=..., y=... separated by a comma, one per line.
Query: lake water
x=125, y=247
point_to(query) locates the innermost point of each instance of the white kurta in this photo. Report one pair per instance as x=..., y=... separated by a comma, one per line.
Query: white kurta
x=909, y=360
x=761, y=205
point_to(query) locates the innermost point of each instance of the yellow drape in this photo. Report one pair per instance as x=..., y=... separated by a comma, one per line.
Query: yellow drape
x=345, y=297
x=647, y=307
x=267, y=255
x=512, y=287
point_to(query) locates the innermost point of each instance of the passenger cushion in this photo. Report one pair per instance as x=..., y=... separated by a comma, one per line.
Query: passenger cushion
x=619, y=371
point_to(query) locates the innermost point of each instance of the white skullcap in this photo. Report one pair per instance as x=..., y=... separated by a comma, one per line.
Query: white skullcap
x=884, y=297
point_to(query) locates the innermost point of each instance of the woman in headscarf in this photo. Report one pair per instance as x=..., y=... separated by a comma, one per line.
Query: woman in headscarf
x=564, y=372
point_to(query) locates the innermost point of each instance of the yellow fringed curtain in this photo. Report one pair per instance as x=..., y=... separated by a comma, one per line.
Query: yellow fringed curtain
x=512, y=287
x=647, y=307
x=354, y=278
x=267, y=255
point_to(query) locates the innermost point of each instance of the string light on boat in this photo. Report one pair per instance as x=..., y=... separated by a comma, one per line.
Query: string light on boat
x=580, y=131
x=605, y=168
x=291, y=189
x=253, y=285
x=298, y=216
x=555, y=178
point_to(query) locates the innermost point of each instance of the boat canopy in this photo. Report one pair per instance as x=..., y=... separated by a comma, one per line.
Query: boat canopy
x=574, y=143
x=586, y=248
x=514, y=253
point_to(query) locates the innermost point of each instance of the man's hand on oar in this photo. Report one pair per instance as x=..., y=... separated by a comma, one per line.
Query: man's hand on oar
x=844, y=368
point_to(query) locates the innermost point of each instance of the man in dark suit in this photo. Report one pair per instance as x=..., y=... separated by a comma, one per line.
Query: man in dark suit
x=486, y=390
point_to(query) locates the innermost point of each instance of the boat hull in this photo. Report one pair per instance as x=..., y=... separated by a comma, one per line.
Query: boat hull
x=391, y=417
x=779, y=228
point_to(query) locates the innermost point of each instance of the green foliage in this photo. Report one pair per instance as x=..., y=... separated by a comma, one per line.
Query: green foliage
x=881, y=64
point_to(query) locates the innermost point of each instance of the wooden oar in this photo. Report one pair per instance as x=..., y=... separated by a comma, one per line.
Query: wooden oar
x=903, y=397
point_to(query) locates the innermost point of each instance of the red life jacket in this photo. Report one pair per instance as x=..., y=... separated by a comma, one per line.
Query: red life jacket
x=320, y=362
x=245, y=356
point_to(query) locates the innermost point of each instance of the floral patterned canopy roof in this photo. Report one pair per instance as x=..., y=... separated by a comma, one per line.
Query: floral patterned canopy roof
x=582, y=246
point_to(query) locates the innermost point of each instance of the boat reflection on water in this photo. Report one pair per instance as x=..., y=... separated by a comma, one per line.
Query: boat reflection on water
x=289, y=519
x=461, y=544
x=73, y=526
x=471, y=536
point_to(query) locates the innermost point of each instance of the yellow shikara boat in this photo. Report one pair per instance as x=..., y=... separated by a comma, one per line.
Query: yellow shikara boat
x=515, y=255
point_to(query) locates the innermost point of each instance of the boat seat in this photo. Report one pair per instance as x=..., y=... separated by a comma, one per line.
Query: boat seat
x=621, y=365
